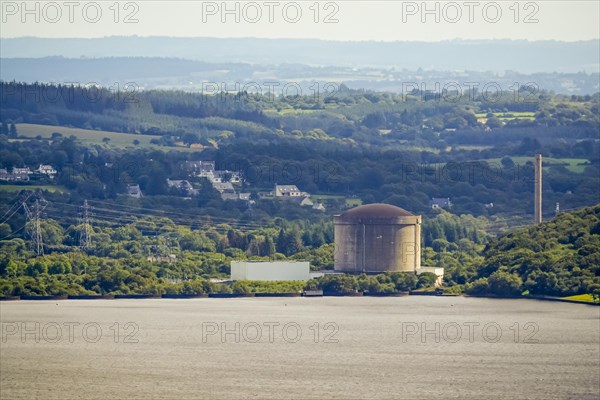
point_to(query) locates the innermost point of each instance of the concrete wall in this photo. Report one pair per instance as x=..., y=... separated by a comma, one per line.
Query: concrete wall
x=407, y=250
x=345, y=253
x=270, y=271
x=377, y=245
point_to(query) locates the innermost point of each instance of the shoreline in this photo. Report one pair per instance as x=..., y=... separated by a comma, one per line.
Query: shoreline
x=271, y=295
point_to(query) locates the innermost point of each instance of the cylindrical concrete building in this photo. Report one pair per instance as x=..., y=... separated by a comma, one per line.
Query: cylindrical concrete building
x=377, y=238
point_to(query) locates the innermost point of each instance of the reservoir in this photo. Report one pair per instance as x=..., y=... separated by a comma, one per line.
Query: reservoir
x=300, y=348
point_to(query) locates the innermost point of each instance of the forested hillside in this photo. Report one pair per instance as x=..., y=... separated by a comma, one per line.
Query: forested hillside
x=149, y=255
x=137, y=252
x=560, y=257
x=377, y=147
x=463, y=163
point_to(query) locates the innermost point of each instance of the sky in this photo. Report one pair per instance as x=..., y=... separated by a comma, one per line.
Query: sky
x=359, y=20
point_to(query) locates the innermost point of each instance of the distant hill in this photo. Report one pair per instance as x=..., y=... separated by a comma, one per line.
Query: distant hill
x=109, y=70
x=482, y=55
x=560, y=257
x=191, y=75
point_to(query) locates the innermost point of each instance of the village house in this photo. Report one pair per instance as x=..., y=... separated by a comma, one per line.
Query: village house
x=200, y=167
x=245, y=196
x=288, y=191
x=226, y=190
x=292, y=193
x=134, y=191
x=22, y=171
x=16, y=175
x=185, y=186
x=318, y=207
x=440, y=202
x=47, y=170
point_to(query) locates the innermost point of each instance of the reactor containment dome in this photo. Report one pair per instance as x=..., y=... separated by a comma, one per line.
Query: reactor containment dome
x=377, y=238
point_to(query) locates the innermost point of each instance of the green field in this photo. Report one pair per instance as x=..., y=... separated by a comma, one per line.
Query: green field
x=353, y=202
x=572, y=164
x=93, y=137
x=588, y=298
x=289, y=111
x=350, y=202
x=507, y=116
x=18, y=188
x=510, y=114
x=472, y=147
x=576, y=165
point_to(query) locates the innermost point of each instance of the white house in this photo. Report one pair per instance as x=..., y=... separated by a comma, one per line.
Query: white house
x=318, y=207
x=22, y=171
x=287, y=191
x=19, y=174
x=223, y=186
x=47, y=170
x=235, y=179
x=134, y=191
x=304, y=201
x=199, y=167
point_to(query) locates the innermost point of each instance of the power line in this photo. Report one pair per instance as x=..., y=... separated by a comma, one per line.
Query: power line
x=177, y=213
x=120, y=214
x=13, y=233
x=13, y=213
x=178, y=219
x=16, y=203
x=115, y=218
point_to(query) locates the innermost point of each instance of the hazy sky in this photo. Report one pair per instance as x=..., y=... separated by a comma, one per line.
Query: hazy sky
x=346, y=20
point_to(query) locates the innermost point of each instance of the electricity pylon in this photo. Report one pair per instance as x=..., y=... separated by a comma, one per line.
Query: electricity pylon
x=33, y=224
x=85, y=235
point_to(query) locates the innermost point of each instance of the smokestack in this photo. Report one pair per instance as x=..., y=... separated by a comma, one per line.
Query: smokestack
x=538, y=190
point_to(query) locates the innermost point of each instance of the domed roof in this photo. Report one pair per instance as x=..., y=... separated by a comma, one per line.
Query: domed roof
x=376, y=210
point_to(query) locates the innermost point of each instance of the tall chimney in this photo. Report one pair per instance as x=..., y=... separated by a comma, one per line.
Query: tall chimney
x=538, y=190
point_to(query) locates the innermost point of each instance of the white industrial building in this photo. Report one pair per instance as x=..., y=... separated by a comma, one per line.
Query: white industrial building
x=270, y=271
x=438, y=271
